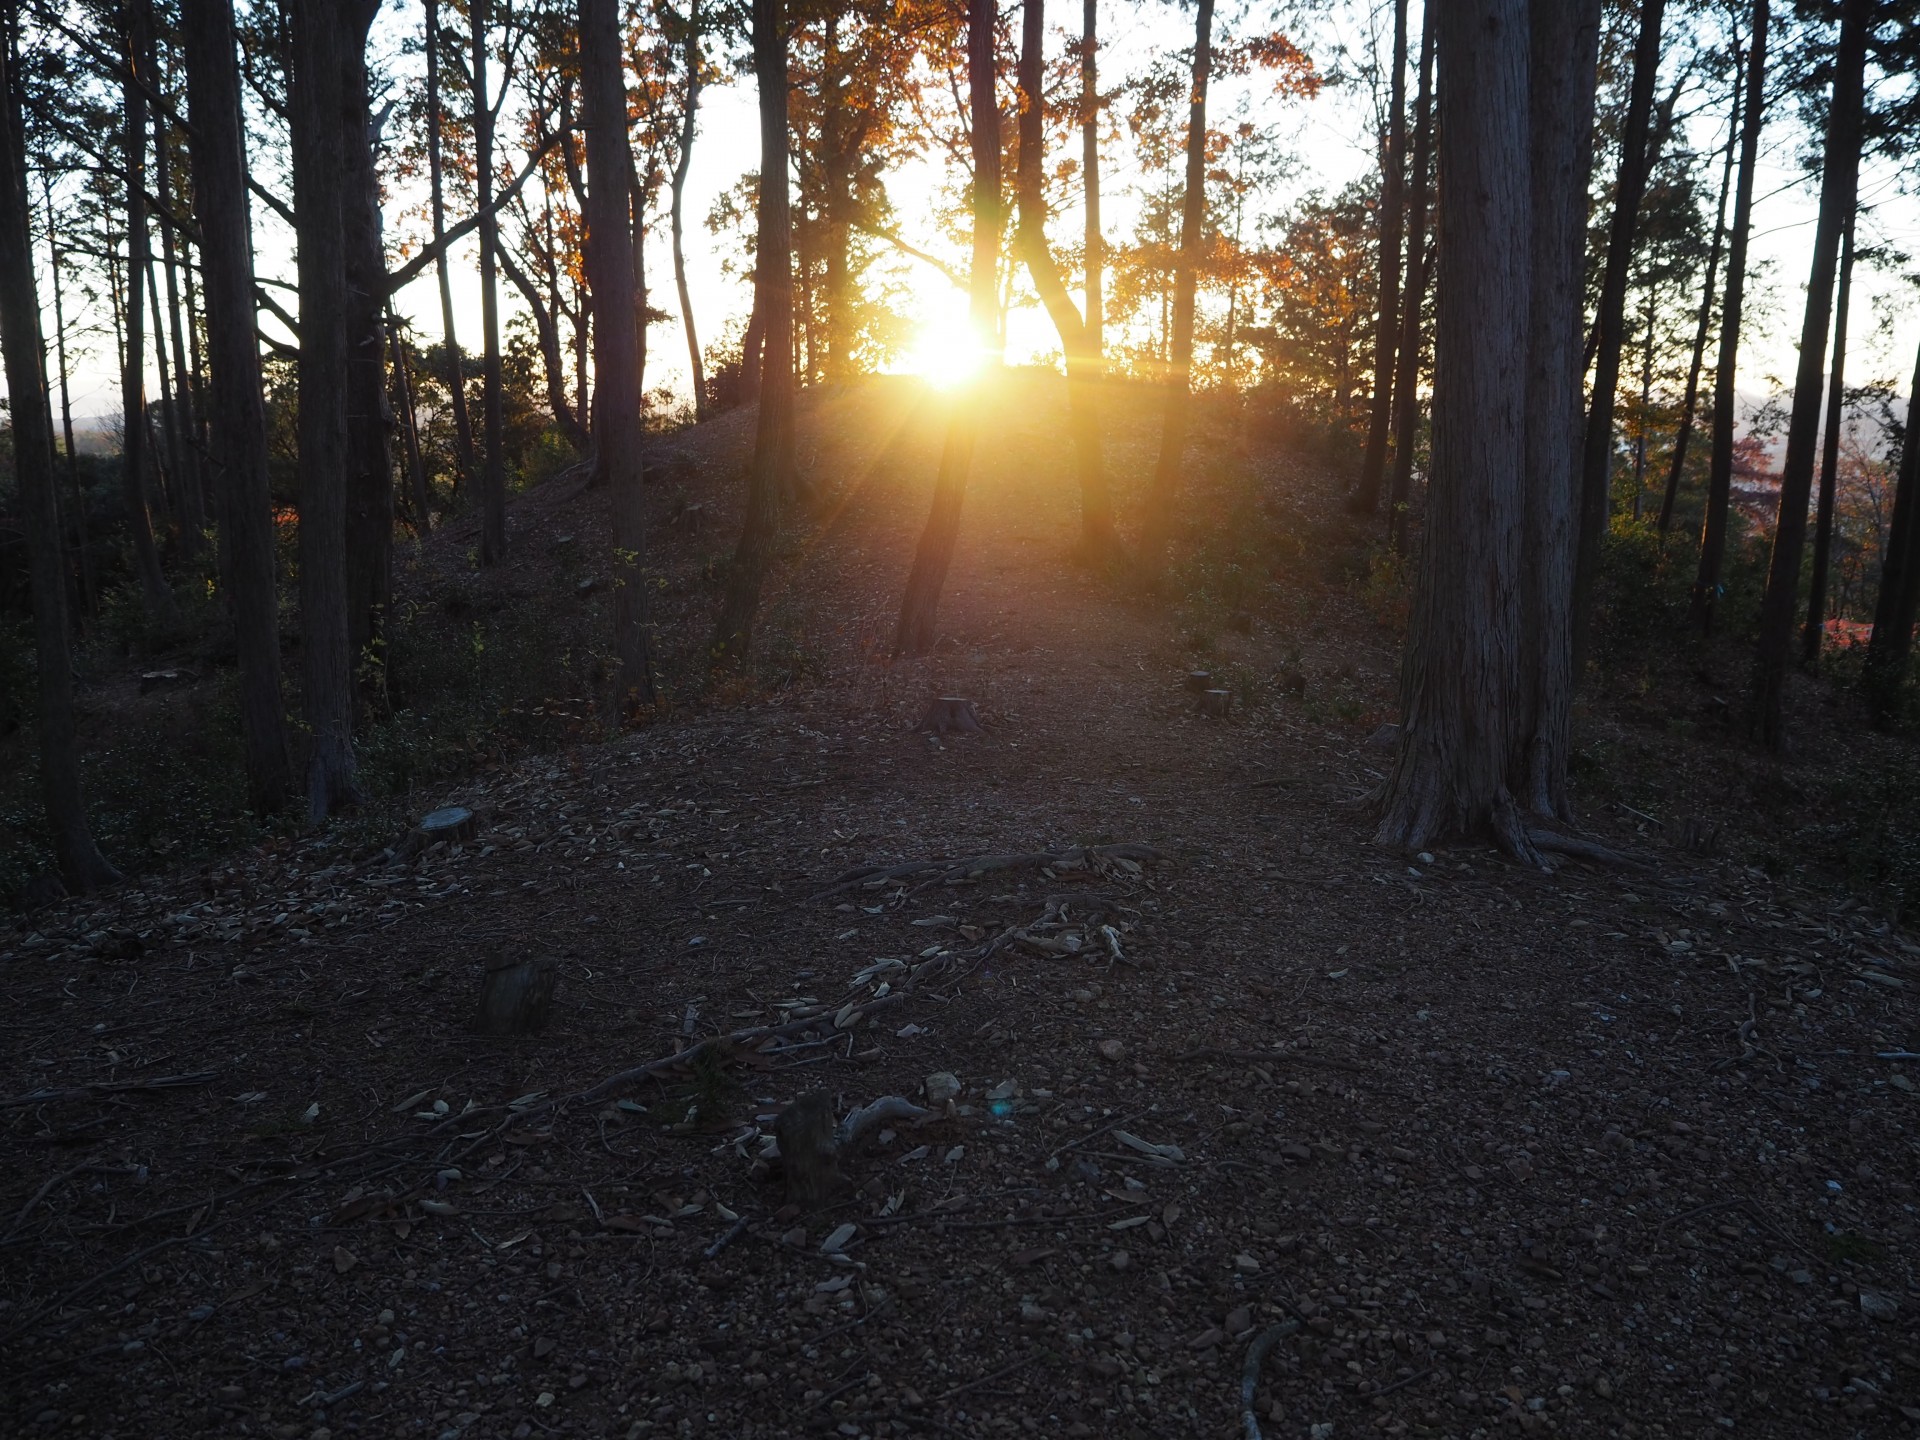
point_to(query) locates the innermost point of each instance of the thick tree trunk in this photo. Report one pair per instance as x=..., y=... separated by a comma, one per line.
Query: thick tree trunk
x=237, y=438
x=1406, y=385
x=455, y=377
x=920, y=604
x=1690, y=400
x=616, y=341
x=1829, y=461
x=1090, y=174
x=1839, y=187
x=369, y=415
x=1393, y=167
x=82, y=867
x=158, y=599
x=692, y=59
x=315, y=106
x=769, y=477
x=493, y=469
x=1713, y=528
x=77, y=499
x=183, y=405
x=1891, y=643
x=1076, y=341
x=1165, y=490
x=1596, y=460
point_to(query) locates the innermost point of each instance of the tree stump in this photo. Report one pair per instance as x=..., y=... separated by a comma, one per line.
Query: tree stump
x=455, y=824
x=1216, y=703
x=1198, y=680
x=809, y=1156
x=951, y=714
x=516, y=996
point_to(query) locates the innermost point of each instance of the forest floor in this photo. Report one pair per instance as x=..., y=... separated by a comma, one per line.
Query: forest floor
x=1600, y=1153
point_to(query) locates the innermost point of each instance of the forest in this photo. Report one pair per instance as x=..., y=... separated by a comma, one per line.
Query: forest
x=1255, y=632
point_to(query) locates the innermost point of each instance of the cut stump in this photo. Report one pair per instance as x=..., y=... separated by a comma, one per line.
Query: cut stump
x=455, y=824
x=516, y=996
x=1198, y=681
x=809, y=1154
x=951, y=715
x=1216, y=703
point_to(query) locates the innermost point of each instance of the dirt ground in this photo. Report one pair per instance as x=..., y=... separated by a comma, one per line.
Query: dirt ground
x=1601, y=1153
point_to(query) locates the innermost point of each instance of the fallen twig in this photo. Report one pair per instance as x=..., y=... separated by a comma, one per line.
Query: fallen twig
x=1272, y=1057
x=110, y=1087
x=733, y=1233
x=1256, y=1356
x=1000, y=1374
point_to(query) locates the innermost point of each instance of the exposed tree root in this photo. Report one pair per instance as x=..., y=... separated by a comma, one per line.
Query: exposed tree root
x=1554, y=843
x=934, y=872
x=1250, y=1371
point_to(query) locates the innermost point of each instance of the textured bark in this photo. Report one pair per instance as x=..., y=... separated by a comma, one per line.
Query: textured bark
x=315, y=109
x=1165, y=490
x=1463, y=667
x=154, y=593
x=237, y=438
x=1393, y=168
x=1689, y=403
x=1839, y=187
x=436, y=188
x=616, y=342
x=1713, y=528
x=493, y=465
x=691, y=60
x=1829, y=461
x=920, y=604
x=82, y=867
x=1076, y=341
x=772, y=466
x=369, y=413
x=1596, y=461
x=1406, y=385
x=1891, y=643
x=1090, y=173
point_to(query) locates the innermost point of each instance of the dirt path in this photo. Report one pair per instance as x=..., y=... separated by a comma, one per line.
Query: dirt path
x=1583, y=1155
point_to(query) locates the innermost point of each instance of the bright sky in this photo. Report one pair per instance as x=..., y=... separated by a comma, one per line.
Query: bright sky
x=1331, y=135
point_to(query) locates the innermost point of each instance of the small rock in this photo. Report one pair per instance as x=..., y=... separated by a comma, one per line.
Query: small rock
x=1876, y=1306
x=1603, y=1387
x=1245, y=1263
x=1207, y=1339
x=941, y=1087
x=1120, y=1260
x=343, y=1260
x=1112, y=1050
x=1239, y=1321
x=1083, y=997
x=543, y=1346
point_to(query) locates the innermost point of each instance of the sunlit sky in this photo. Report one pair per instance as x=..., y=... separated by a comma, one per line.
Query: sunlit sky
x=1331, y=136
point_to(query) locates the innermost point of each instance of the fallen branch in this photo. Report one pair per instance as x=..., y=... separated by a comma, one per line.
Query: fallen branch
x=110, y=1087
x=971, y=867
x=1250, y=1371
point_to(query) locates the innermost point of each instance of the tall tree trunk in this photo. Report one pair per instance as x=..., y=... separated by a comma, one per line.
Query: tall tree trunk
x=169, y=434
x=493, y=470
x=237, y=438
x=315, y=105
x=772, y=465
x=1713, y=528
x=78, y=499
x=752, y=344
x=616, y=340
x=1393, y=168
x=410, y=429
x=158, y=599
x=1076, y=342
x=920, y=604
x=1891, y=643
x=1690, y=401
x=1090, y=173
x=547, y=329
x=455, y=377
x=1839, y=187
x=369, y=415
x=1173, y=428
x=836, y=181
x=1829, y=460
x=692, y=59
x=1406, y=384
x=182, y=404
x=1596, y=460
x=82, y=867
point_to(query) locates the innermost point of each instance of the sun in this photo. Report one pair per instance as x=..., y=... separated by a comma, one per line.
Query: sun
x=947, y=353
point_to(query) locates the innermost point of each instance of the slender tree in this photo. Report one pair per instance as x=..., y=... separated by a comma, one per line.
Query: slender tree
x=1393, y=169
x=493, y=470
x=1829, y=460
x=1076, y=339
x=919, y=605
x=1610, y=326
x=82, y=867
x=443, y=269
x=1689, y=402
x=1713, y=528
x=77, y=497
x=238, y=436
x=160, y=607
x=693, y=61
x=1839, y=187
x=1406, y=398
x=616, y=342
x=1173, y=430
x=770, y=476
x=1090, y=172
x=1890, y=645
x=410, y=428
x=181, y=402
x=315, y=106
